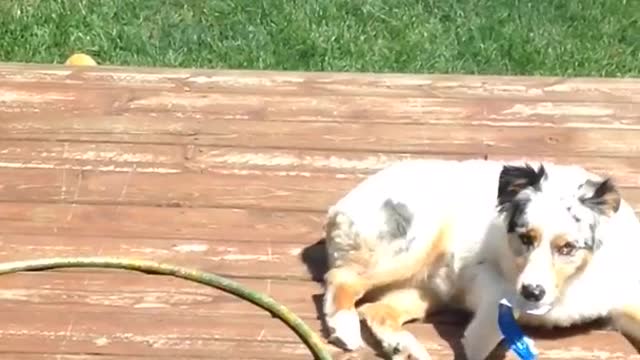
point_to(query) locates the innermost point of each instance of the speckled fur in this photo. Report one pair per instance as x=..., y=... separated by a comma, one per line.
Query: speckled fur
x=468, y=233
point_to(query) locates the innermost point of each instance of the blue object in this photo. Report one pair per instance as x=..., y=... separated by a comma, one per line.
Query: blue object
x=517, y=341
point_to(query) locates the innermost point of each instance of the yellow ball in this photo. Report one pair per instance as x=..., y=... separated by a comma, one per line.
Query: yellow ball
x=80, y=59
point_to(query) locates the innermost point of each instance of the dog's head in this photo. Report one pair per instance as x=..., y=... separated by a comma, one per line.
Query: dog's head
x=552, y=225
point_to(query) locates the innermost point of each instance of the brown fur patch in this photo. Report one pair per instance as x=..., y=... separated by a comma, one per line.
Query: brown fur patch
x=605, y=198
x=348, y=287
x=535, y=235
x=380, y=314
x=410, y=265
x=346, y=296
x=395, y=308
x=566, y=269
x=610, y=202
x=440, y=246
x=558, y=241
x=353, y=279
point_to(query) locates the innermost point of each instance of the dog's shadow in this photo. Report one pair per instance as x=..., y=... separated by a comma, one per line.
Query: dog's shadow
x=449, y=325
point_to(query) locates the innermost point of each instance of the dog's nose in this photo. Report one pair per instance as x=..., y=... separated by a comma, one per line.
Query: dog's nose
x=531, y=292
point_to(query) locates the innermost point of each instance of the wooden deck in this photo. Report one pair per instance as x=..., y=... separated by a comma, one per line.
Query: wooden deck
x=231, y=172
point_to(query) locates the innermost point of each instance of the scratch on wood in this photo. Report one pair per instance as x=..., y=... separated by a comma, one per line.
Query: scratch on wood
x=548, y=108
x=101, y=341
x=24, y=165
x=67, y=335
x=239, y=257
x=578, y=353
x=282, y=159
x=63, y=190
x=109, y=155
x=75, y=196
x=126, y=184
x=16, y=97
x=186, y=248
x=63, y=186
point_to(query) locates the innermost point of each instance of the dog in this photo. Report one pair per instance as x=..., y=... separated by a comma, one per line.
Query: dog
x=557, y=241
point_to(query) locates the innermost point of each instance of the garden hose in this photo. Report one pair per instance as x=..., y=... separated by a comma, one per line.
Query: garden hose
x=313, y=341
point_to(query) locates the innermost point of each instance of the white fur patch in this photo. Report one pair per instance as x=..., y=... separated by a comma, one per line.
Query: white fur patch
x=345, y=325
x=406, y=345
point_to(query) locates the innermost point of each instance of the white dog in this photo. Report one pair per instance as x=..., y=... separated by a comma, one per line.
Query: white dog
x=557, y=241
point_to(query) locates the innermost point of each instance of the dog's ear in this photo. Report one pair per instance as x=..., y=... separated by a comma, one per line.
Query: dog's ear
x=515, y=178
x=602, y=197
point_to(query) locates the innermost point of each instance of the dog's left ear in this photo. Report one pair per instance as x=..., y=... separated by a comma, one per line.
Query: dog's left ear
x=514, y=178
x=601, y=196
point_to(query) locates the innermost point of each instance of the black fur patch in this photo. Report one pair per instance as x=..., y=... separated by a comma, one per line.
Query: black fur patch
x=605, y=198
x=398, y=219
x=592, y=242
x=515, y=178
x=517, y=209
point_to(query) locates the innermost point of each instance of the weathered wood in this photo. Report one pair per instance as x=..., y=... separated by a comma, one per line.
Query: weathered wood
x=138, y=333
x=171, y=159
x=231, y=172
x=217, y=187
x=233, y=257
x=169, y=223
x=372, y=137
x=325, y=83
x=85, y=99
x=127, y=291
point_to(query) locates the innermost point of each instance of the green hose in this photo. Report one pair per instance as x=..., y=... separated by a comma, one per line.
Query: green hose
x=313, y=341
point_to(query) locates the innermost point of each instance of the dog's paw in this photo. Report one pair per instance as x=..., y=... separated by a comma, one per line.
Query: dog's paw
x=402, y=345
x=345, y=329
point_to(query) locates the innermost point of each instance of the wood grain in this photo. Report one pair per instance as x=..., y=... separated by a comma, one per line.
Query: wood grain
x=215, y=188
x=326, y=83
x=169, y=223
x=84, y=100
x=133, y=333
x=370, y=137
x=230, y=257
x=231, y=172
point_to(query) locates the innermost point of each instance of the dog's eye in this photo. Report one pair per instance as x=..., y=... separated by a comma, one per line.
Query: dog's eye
x=567, y=249
x=526, y=239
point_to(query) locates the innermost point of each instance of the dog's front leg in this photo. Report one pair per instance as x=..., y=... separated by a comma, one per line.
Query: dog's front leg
x=626, y=318
x=485, y=290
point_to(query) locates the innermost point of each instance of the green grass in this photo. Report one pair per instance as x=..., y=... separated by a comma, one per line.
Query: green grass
x=535, y=37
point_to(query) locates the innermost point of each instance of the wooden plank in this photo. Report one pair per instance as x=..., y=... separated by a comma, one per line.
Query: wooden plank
x=217, y=187
x=253, y=189
x=110, y=103
x=172, y=159
x=231, y=172
x=111, y=290
x=154, y=222
x=137, y=334
x=215, y=224
x=324, y=83
x=332, y=136
x=236, y=350
x=148, y=336
x=231, y=257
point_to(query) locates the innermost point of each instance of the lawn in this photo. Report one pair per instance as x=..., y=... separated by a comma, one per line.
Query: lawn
x=535, y=37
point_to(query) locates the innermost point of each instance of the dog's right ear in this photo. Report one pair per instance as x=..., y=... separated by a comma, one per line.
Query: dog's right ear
x=515, y=178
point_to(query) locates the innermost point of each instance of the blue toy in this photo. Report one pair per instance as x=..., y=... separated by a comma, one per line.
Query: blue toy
x=517, y=341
